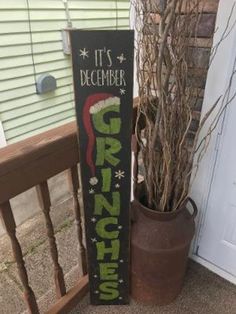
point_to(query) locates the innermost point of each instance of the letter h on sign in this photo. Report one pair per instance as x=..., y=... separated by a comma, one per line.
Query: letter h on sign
x=103, y=85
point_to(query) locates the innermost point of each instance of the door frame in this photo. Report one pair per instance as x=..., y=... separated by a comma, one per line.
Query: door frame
x=215, y=269
x=217, y=82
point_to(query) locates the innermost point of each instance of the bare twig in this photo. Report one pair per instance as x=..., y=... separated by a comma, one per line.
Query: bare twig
x=166, y=31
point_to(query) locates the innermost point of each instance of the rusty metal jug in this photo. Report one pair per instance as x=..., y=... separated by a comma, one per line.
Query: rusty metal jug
x=160, y=245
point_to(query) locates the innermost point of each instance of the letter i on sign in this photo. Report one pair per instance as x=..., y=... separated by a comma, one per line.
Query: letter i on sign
x=104, y=119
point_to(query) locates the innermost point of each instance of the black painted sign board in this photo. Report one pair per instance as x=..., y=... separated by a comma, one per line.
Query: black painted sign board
x=103, y=85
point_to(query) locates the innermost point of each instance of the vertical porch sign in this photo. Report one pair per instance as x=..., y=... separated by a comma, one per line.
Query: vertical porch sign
x=103, y=85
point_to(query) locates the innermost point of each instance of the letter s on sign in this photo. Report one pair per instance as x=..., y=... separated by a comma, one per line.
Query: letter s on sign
x=110, y=291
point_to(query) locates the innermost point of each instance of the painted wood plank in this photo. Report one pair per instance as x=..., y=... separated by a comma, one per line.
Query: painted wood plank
x=98, y=105
x=71, y=299
x=36, y=159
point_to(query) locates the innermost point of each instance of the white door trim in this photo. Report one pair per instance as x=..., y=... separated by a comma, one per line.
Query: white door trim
x=3, y=141
x=217, y=82
x=215, y=269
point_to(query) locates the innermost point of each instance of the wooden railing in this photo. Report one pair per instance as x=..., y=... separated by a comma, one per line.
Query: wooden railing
x=31, y=163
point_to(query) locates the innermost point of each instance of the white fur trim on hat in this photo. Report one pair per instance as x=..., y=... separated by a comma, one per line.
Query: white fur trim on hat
x=102, y=104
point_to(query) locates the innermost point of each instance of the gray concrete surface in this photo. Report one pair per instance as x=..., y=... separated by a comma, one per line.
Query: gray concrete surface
x=34, y=243
x=26, y=205
x=203, y=292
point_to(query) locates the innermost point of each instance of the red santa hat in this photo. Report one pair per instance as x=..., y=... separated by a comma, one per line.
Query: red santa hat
x=94, y=104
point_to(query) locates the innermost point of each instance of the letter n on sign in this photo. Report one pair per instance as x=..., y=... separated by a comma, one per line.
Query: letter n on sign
x=103, y=85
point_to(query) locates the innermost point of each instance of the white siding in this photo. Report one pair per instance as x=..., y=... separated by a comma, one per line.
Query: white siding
x=23, y=113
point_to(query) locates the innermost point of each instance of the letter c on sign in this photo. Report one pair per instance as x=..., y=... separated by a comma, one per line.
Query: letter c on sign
x=101, y=228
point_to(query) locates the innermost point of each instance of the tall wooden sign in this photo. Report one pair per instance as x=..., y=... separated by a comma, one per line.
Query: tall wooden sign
x=103, y=84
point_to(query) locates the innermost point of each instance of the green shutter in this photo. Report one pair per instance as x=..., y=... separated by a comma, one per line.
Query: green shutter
x=23, y=113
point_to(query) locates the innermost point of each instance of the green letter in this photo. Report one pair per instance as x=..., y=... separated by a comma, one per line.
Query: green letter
x=114, y=250
x=104, y=153
x=107, y=271
x=105, y=128
x=110, y=289
x=101, y=228
x=106, y=180
x=101, y=202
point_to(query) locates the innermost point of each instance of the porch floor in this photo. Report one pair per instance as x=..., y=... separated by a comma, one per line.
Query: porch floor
x=203, y=292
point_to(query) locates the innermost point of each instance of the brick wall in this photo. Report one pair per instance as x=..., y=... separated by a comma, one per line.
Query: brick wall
x=199, y=53
x=199, y=60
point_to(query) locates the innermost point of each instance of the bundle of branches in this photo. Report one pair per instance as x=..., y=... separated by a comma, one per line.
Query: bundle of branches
x=166, y=33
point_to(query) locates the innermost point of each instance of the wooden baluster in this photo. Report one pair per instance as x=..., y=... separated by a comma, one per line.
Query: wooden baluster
x=45, y=203
x=10, y=226
x=74, y=186
x=135, y=150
